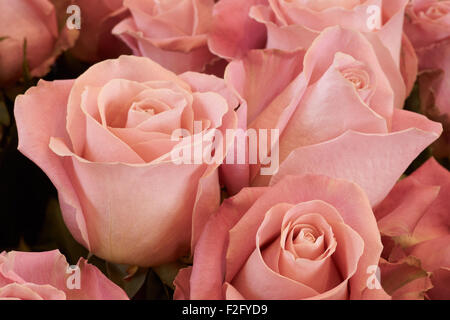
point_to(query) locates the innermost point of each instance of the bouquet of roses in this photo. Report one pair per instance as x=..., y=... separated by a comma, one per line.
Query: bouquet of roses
x=231, y=149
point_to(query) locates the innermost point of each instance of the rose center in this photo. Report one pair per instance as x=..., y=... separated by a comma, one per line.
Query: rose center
x=359, y=78
x=146, y=109
x=306, y=235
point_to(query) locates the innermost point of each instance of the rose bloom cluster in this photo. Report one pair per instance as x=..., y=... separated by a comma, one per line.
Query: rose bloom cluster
x=341, y=217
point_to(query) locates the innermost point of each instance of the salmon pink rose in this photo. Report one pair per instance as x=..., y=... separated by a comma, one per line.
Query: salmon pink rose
x=293, y=24
x=173, y=32
x=105, y=140
x=414, y=221
x=309, y=237
x=34, y=21
x=338, y=111
x=47, y=276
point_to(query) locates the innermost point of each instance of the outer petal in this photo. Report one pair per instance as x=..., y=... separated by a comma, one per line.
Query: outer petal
x=187, y=53
x=40, y=268
x=405, y=280
x=235, y=176
x=234, y=32
x=95, y=285
x=261, y=76
x=34, y=21
x=433, y=254
x=375, y=162
x=403, y=208
x=29, y=291
x=106, y=206
x=40, y=114
x=409, y=64
x=210, y=252
x=417, y=207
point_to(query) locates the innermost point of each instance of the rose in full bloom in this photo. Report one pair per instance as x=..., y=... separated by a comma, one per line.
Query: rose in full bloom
x=308, y=237
x=34, y=21
x=338, y=110
x=292, y=24
x=47, y=276
x=96, y=42
x=414, y=221
x=173, y=33
x=105, y=140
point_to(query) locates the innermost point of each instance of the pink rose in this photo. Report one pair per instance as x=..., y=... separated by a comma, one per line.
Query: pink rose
x=293, y=24
x=105, y=141
x=427, y=24
x=427, y=21
x=309, y=237
x=338, y=111
x=173, y=33
x=47, y=276
x=33, y=21
x=414, y=221
x=98, y=18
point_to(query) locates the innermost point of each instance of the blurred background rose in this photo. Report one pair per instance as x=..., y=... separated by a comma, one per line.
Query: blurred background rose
x=172, y=32
x=32, y=24
x=98, y=17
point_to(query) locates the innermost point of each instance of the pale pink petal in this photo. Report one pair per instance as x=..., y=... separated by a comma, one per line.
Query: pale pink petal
x=108, y=207
x=94, y=285
x=441, y=284
x=261, y=76
x=233, y=32
x=211, y=248
x=40, y=115
x=126, y=67
x=403, y=208
x=29, y=291
x=375, y=162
